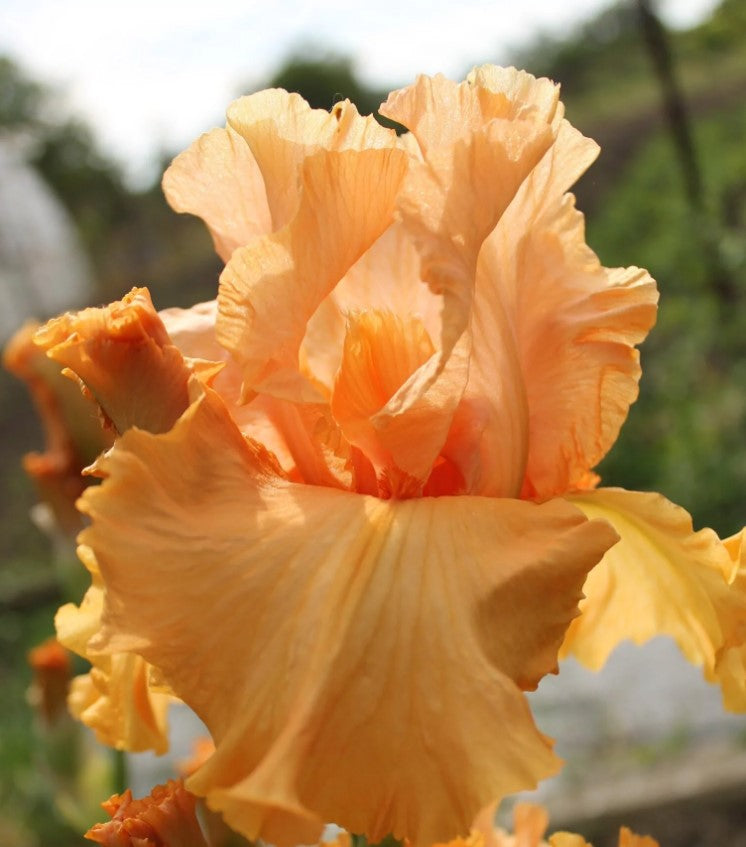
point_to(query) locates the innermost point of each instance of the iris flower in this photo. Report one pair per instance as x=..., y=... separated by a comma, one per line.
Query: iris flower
x=350, y=509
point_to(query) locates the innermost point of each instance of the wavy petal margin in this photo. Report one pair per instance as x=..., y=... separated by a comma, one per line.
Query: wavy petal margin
x=270, y=290
x=114, y=698
x=124, y=357
x=662, y=578
x=218, y=179
x=369, y=654
x=554, y=335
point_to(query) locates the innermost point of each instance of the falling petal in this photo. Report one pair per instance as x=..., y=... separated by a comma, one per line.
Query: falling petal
x=662, y=578
x=398, y=614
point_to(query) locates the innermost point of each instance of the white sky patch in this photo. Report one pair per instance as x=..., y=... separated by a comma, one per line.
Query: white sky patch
x=153, y=74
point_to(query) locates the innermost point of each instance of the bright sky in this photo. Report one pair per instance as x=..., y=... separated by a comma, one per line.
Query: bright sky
x=154, y=74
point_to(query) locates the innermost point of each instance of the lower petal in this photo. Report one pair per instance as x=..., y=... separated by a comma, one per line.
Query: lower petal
x=115, y=698
x=356, y=660
x=662, y=578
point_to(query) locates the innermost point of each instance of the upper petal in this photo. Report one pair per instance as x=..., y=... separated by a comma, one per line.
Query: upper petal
x=477, y=141
x=325, y=636
x=270, y=290
x=385, y=278
x=477, y=147
x=564, y=350
x=282, y=131
x=660, y=579
x=218, y=179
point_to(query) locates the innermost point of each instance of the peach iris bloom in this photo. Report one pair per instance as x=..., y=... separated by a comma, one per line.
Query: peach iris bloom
x=355, y=541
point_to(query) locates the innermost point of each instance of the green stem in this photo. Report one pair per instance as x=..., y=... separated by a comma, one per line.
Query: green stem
x=120, y=777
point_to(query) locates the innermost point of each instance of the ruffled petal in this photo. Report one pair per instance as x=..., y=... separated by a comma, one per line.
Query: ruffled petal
x=114, y=698
x=73, y=435
x=125, y=359
x=730, y=666
x=167, y=817
x=662, y=578
x=218, y=179
x=554, y=368
x=282, y=131
x=385, y=278
x=475, y=156
x=477, y=146
x=269, y=291
x=381, y=352
x=332, y=624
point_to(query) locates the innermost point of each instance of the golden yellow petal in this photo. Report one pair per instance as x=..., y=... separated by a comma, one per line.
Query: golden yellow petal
x=730, y=667
x=270, y=290
x=356, y=660
x=662, y=578
x=114, y=698
x=124, y=357
x=218, y=179
x=116, y=702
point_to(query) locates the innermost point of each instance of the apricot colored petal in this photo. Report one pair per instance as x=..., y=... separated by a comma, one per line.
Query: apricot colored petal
x=218, y=179
x=662, y=578
x=270, y=290
x=69, y=428
x=491, y=438
x=381, y=352
x=282, y=130
x=118, y=705
x=452, y=201
x=385, y=278
x=555, y=381
x=114, y=698
x=416, y=421
x=125, y=359
x=438, y=111
x=302, y=437
x=477, y=147
x=312, y=629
